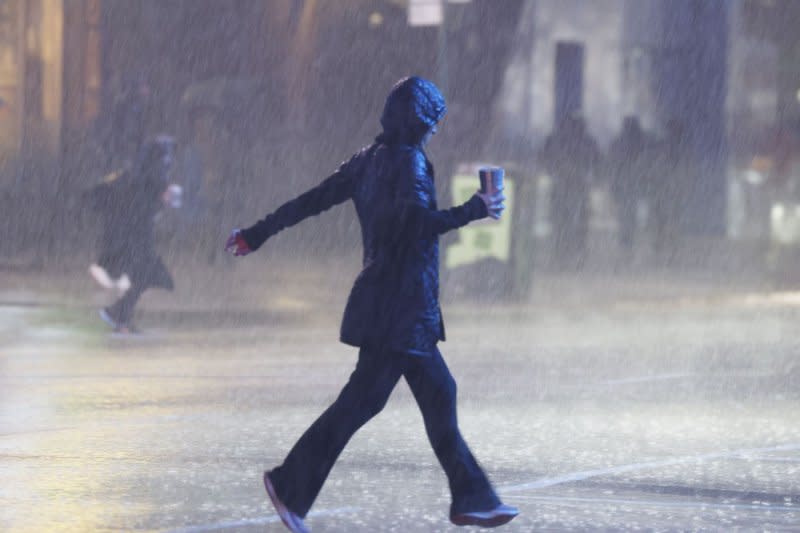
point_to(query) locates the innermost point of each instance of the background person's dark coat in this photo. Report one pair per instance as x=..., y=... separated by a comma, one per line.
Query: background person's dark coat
x=394, y=302
x=127, y=203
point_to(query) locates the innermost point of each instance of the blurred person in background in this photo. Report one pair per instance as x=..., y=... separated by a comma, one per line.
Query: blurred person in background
x=196, y=170
x=6, y=199
x=128, y=120
x=785, y=171
x=571, y=158
x=212, y=168
x=626, y=170
x=673, y=170
x=127, y=202
x=782, y=169
x=393, y=314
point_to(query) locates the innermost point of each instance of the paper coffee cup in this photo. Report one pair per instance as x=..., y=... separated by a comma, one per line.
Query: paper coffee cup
x=491, y=179
x=175, y=195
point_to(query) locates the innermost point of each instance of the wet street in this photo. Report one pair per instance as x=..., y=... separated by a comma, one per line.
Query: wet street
x=668, y=416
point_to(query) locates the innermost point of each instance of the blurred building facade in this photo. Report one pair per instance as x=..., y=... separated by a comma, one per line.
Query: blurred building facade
x=62, y=62
x=321, y=70
x=657, y=59
x=49, y=74
x=293, y=85
x=729, y=70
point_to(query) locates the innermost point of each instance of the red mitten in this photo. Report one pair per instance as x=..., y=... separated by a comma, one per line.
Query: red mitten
x=236, y=244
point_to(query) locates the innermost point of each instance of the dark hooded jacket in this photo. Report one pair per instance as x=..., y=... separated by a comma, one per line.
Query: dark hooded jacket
x=394, y=302
x=127, y=202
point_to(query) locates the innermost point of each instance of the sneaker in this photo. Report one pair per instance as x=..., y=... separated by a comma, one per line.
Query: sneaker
x=108, y=318
x=502, y=514
x=118, y=326
x=100, y=275
x=289, y=519
x=123, y=284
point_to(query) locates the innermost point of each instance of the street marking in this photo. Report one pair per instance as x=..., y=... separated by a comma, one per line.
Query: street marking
x=33, y=431
x=586, y=474
x=643, y=379
x=658, y=503
x=230, y=524
x=789, y=298
x=633, y=380
x=768, y=459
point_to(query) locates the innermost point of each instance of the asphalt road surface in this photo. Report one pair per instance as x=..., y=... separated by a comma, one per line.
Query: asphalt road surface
x=680, y=415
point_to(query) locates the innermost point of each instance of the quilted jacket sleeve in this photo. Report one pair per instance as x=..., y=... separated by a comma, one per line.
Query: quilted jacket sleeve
x=416, y=218
x=335, y=189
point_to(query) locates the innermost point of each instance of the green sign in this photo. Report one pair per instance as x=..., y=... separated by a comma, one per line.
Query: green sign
x=483, y=238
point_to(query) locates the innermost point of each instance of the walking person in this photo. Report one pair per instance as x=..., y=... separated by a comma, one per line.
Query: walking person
x=128, y=120
x=672, y=177
x=571, y=157
x=393, y=314
x=626, y=167
x=128, y=202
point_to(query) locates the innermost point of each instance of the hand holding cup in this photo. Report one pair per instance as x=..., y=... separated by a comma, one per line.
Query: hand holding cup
x=173, y=196
x=494, y=203
x=491, y=191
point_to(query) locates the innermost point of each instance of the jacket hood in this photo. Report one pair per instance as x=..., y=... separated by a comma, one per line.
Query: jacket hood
x=412, y=108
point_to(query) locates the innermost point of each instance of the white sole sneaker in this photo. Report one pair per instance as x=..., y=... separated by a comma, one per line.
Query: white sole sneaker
x=106, y=317
x=123, y=284
x=289, y=519
x=100, y=275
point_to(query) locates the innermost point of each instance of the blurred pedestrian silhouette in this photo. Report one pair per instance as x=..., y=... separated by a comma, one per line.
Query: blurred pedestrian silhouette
x=784, y=177
x=673, y=172
x=200, y=170
x=571, y=157
x=127, y=202
x=128, y=126
x=627, y=173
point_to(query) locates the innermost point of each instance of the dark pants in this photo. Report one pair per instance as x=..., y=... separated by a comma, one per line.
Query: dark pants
x=665, y=239
x=299, y=479
x=626, y=218
x=570, y=220
x=145, y=270
x=122, y=310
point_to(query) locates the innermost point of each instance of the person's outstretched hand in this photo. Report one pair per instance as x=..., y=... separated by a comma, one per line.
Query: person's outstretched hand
x=236, y=244
x=494, y=203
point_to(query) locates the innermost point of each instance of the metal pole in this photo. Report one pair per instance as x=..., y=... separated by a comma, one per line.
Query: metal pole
x=441, y=60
